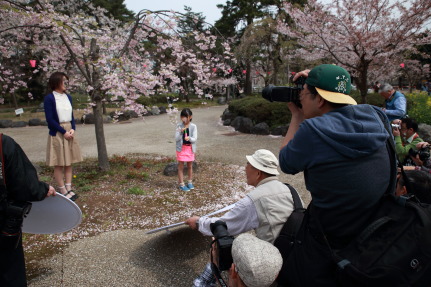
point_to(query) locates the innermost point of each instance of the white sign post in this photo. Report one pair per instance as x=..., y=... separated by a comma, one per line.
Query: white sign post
x=18, y=112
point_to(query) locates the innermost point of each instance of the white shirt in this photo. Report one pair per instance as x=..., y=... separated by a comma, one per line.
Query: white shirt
x=64, y=107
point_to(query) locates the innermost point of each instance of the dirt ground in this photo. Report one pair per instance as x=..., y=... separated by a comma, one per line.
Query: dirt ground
x=129, y=257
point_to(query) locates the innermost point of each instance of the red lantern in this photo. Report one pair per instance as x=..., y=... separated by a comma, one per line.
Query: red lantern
x=33, y=63
x=293, y=73
x=230, y=71
x=214, y=70
x=257, y=73
x=145, y=66
x=402, y=65
x=244, y=71
x=269, y=73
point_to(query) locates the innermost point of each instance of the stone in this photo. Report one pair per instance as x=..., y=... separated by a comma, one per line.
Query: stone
x=5, y=123
x=34, y=122
x=148, y=113
x=260, y=129
x=280, y=131
x=19, y=124
x=227, y=122
x=162, y=110
x=171, y=169
x=155, y=111
x=107, y=119
x=131, y=114
x=227, y=115
x=221, y=101
x=424, y=132
x=88, y=119
x=242, y=124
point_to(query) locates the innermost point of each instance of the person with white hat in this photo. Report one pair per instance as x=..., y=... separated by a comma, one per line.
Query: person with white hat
x=256, y=263
x=265, y=209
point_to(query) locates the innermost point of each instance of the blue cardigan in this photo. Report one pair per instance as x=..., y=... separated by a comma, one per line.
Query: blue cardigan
x=52, y=116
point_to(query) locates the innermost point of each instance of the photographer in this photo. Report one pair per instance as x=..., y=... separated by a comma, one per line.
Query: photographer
x=264, y=209
x=406, y=138
x=21, y=185
x=395, y=102
x=255, y=263
x=421, y=158
x=341, y=148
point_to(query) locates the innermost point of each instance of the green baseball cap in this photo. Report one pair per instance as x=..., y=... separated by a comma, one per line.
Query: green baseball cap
x=332, y=82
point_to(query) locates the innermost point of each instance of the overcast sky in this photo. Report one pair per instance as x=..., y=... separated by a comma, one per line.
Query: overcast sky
x=207, y=7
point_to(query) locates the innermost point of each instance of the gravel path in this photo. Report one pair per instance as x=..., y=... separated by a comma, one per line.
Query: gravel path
x=130, y=257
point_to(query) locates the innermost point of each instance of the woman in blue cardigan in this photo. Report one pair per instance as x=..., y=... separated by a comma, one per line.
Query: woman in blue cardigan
x=63, y=148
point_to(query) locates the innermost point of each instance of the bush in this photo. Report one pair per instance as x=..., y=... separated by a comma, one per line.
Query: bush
x=260, y=110
x=418, y=107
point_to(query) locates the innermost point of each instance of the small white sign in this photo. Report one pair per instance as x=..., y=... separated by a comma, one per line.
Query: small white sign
x=19, y=111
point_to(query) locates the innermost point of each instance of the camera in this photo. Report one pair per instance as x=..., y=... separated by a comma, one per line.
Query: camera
x=424, y=153
x=10, y=232
x=285, y=94
x=396, y=126
x=224, y=244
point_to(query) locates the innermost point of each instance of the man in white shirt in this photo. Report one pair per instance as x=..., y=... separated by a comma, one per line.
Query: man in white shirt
x=265, y=209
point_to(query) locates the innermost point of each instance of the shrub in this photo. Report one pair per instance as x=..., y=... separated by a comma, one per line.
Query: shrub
x=418, y=107
x=260, y=110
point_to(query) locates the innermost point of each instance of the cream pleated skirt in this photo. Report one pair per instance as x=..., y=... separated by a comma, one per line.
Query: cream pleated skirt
x=62, y=152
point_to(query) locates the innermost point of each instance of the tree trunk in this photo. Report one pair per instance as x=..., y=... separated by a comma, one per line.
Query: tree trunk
x=96, y=96
x=100, y=136
x=248, y=84
x=14, y=101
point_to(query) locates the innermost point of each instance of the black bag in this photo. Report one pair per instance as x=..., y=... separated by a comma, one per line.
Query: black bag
x=286, y=239
x=395, y=248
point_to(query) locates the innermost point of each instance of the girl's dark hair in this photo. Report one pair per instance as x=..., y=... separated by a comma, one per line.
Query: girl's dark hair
x=56, y=80
x=186, y=112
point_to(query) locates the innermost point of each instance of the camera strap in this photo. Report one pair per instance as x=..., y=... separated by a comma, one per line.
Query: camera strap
x=215, y=270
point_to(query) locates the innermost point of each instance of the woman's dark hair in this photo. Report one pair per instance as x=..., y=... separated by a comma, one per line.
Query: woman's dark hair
x=186, y=112
x=56, y=80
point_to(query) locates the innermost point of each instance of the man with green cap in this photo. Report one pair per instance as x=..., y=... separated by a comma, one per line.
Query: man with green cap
x=341, y=148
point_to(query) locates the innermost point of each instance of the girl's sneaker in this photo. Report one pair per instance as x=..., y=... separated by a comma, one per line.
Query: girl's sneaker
x=184, y=188
x=190, y=185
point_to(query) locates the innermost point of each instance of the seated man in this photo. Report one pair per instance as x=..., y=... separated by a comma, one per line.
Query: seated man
x=256, y=263
x=405, y=139
x=420, y=183
x=264, y=209
x=395, y=102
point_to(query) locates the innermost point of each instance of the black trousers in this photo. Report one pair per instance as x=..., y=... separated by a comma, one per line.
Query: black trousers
x=12, y=267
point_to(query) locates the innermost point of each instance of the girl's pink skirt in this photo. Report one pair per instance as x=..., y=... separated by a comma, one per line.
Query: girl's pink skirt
x=186, y=154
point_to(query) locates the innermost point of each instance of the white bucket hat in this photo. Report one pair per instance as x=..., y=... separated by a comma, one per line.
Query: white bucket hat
x=264, y=160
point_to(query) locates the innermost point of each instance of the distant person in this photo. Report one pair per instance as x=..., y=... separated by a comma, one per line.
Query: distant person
x=395, y=102
x=406, y=138
x=63, y=148
x=376, y=87
x=256, y=263
x=186, y=136
x=19, y=184
x=420, y=184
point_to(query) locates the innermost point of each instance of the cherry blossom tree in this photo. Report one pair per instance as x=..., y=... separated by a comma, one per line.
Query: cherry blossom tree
x=361, y=35
x=107, y=58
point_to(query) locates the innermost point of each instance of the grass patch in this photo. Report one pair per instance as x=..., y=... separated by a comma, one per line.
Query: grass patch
x=137, y=191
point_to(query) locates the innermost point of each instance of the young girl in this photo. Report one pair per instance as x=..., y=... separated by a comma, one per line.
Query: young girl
x=185, y=136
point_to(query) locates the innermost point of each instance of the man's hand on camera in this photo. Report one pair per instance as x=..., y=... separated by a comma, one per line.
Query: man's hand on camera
x=396, y=132
x=302, y=73
x=193, y=222
x=421, y=145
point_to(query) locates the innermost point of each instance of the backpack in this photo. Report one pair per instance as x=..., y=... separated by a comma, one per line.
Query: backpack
x=395, y=248
x=286, y=238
